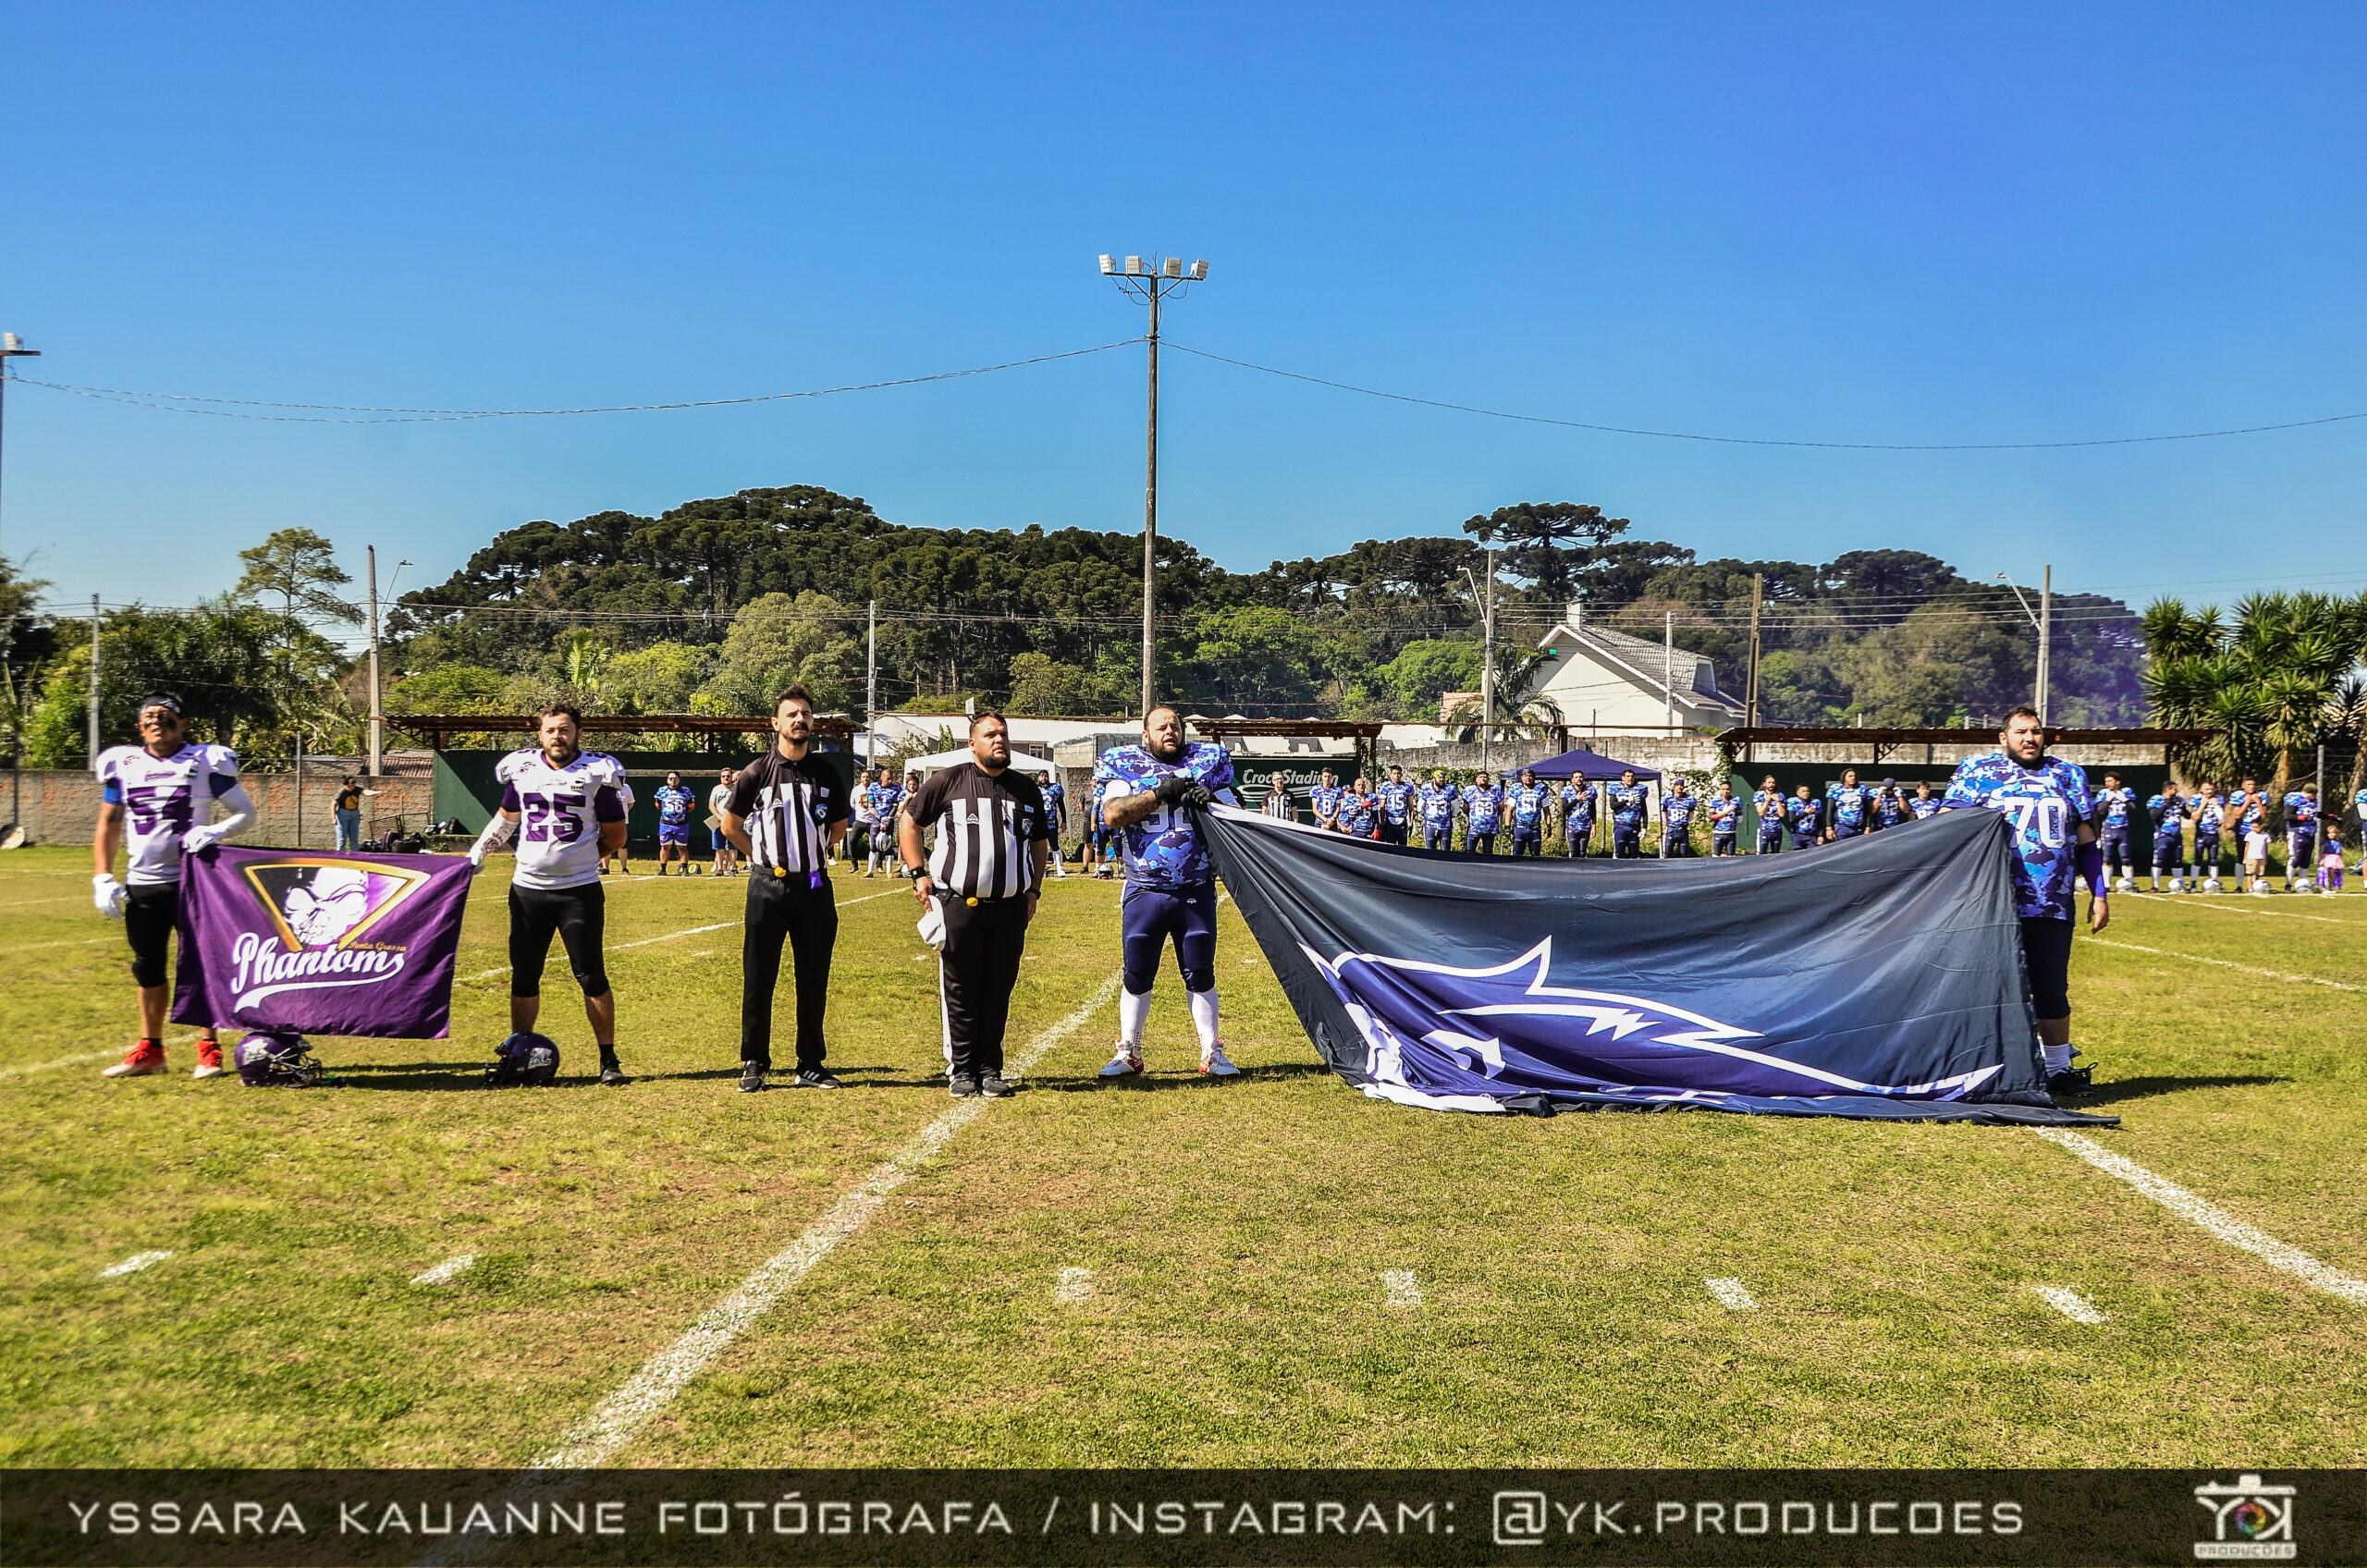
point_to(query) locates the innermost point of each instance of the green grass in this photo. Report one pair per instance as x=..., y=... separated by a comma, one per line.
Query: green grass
x=1236, y=1233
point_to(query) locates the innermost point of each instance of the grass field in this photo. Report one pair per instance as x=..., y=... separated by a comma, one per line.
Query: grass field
x=1551, y=1277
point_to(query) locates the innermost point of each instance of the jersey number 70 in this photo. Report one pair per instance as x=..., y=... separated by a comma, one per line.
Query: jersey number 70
x=2040, y=819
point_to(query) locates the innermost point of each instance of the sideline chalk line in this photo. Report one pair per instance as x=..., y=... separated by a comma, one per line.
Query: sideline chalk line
x=2204, y=902
x=2210, y=1217
x=2223, y=964
x=599, y=1436
x=670, y=936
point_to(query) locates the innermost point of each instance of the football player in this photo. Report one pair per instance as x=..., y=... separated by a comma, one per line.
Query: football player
x=2359, y=804
x=879, y=800
x=1629, y=805
x=1768, y=803
x=156, y=800
x=1526, y=807
x=1483, y=812
x=1925, y=804
x=2055, y=836
x=1439, y=799
x=2301, y=837
x=1359, y=810
x=674, y=804
x=2114, y=804
x=1677, y=806
x=2210, y=817
x=1577, y=817
x=716, y=799
x=2168, y=810
x=573, y=804
x=1848, y=800
x=1325, y=799
x=1396, y=807
x=1056, y=809
x=1144, y=793
x=1804, y=811
x=1726, y=816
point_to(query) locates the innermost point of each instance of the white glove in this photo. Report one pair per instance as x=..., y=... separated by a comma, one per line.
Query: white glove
x=201, y=839
x=476, y=857
x=108, y=895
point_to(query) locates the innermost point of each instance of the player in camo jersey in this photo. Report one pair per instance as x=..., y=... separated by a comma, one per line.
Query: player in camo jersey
x=1359, y=810
x=1677, y=808
x=1056, y=810
x=2209, y=818
x=2046, y=799
x=1726, y=816
x=2301, y=837
x=1483, y=812
x=1805, y=810
x=1147, y=793
x=1325, y=801
x=1438, y=800
x=1527, y=806
x=1628, y=806
x=1577, y=817
x=2114, y=804
x=1925, y=805
x=1772, y=815
x=1397, y=806
x=2168, y=811
x=1848, y=803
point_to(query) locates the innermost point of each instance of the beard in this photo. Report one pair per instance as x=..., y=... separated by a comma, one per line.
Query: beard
x=1165, y=753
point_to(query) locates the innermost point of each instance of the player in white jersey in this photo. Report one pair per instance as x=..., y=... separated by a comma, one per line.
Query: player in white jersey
x=573, y=804
x=157, y=799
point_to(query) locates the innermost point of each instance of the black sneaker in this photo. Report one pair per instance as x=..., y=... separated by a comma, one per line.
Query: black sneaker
x=961, y=1086
x=752, y=1078
x=817, y=1078
x=994, y=1087
x=2071, y=1083
x=612, y=1071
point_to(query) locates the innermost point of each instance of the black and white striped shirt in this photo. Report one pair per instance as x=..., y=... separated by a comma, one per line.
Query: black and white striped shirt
x=985, y=824
x=789, y=807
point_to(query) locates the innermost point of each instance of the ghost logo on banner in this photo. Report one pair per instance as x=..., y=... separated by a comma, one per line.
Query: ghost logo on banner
x=320, y=944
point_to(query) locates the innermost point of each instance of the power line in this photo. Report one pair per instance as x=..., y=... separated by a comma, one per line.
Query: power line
x=173, y=402
x=1766, y=440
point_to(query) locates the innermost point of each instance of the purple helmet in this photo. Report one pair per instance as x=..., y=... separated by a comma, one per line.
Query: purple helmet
x=279, y=1060
x=523, y=1059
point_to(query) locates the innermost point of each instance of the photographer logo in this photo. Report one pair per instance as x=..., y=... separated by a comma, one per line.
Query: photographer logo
x=2249, y=1521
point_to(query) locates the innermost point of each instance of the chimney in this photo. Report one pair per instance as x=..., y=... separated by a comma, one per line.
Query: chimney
x=1575, y=612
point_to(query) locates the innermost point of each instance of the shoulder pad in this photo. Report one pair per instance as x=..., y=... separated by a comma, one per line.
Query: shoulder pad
x=111, y=759
x=220, y=759
x=509, y=768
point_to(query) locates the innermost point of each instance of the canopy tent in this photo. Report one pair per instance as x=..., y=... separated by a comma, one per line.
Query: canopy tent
x=1583, y=763
x=1881, y=977
x=937, y=761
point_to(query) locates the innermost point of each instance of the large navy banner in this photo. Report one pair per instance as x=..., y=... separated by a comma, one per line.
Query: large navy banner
x=1881, y=976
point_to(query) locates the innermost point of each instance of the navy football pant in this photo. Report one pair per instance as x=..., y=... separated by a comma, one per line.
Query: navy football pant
x=1525, y=842
x=1721, y=843
x=1579, y=838
x=1772, y=843
x=2206, y=854
x=1626, y=843
x=2169, y=853
x=2114, y=844
x=1150, y=916
x=1478, y=843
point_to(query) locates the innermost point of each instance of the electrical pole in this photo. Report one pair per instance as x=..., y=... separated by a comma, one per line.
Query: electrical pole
x=1750, y=682
x=871, y=687
x=2045, y=635
x=1487, y=597
x=11, y=348
x=93, y=760
x=1668, y=670
x=1152, y=282
x=378, y=715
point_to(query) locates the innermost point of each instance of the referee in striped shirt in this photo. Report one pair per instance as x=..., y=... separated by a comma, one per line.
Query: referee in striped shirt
x=993, y=837
x=787, y=812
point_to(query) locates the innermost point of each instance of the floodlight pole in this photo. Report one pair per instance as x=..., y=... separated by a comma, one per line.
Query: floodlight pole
x=11, y=348
x=1151, y=282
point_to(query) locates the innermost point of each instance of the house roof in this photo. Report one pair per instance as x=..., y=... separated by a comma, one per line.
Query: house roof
x=1643, y=659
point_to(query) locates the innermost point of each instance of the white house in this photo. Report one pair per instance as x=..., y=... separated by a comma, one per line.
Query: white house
x=1602, y=678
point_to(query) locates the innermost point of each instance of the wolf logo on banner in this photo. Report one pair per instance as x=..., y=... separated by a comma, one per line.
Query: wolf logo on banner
x=321, y=944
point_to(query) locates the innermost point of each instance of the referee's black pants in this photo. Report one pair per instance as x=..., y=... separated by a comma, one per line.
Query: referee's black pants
x=785, y=908
x=975, y=974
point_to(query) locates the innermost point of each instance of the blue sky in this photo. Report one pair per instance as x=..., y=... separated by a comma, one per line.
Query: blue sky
x=1882, y=224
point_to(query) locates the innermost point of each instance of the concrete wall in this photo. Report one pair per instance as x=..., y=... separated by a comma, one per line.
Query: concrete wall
x=61, y=806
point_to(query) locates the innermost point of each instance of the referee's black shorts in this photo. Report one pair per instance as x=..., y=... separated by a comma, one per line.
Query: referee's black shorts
x=2046, y=954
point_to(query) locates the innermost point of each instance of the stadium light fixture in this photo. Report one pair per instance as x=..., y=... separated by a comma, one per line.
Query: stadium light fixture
x=2043, y=619
x=1151, y=282
x=11, y=348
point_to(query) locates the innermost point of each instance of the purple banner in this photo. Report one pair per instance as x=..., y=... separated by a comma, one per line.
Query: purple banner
x=321, y=944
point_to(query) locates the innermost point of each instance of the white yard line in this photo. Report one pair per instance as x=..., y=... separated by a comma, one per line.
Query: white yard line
x=446, y=1272
x=2210, y=1217
x=1399, y=1288
x=2204, y=902
x=602, y=1435
x=1731, y=1295
x=2223, y=964
x=1076, y=1284
x=133, y=1264
x=76, y=942
x=2071, y=1304
x=85, y=1057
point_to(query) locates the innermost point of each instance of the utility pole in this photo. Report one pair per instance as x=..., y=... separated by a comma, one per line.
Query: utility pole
x=1151, y=281
x=11, y=348
x=377, y=714
x=2045, y=635
x=1487, y=596
x=1750, y=682
x=871, y=687
x=1668, y=670
x=93, y=760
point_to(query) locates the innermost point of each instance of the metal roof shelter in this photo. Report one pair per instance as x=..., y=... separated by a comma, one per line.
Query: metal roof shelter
x=1362, y=732
x=1583, y=763
x=1881, y=743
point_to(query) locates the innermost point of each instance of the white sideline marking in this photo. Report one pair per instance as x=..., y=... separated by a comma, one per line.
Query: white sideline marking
x=1400, y=1288
x=446, y=1272
x=76, y=942
x=2071, y=1304
x=2201, y=901
x=133, y=1264
x=2223, y=964
x=2210, y=1217
x=598, y=1437
x=1075, y=1285
x=1731, y=1295
x=78, y=1061
x=670, y=936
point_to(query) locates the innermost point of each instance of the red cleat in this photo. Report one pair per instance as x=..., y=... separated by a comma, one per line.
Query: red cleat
x=144, y=1060
x=209, y=1060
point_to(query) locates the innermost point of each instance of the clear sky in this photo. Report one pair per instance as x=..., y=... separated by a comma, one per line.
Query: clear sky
x=1888, y=224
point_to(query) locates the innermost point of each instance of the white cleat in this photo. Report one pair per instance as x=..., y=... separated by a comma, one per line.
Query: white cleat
x=1214, y=1062
x=1125, y=1064
x=2127, y=885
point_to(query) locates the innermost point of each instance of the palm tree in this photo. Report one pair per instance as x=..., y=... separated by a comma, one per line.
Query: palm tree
x=2271, y=680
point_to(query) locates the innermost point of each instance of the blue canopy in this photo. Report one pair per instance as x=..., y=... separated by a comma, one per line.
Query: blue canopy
x=1586, y=765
